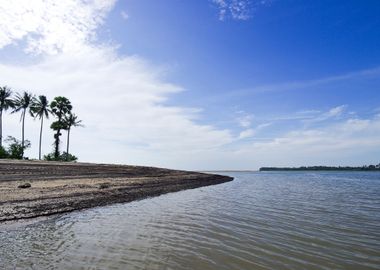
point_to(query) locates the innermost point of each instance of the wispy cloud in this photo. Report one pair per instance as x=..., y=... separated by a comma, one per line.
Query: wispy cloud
x=299, y=115
x=250, y=132
x=310, y=83
x=244, y=120
x=238, y=9
x=124, y=15
x=307, y=85
x=338, y=143
x=333, y=113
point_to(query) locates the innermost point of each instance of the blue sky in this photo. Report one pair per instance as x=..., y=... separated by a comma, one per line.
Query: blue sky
x=284, y=41
x=221, y=62
x=205, y=84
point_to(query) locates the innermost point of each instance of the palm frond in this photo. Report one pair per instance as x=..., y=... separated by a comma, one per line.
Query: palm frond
x=6, y=101
x=71, y=120
x=40, y=107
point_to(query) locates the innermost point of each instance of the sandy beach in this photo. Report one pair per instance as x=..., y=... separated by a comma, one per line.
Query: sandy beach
x=63, y=187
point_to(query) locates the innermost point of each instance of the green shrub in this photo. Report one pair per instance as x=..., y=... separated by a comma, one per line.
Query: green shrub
x=62, y=157
x=15, y=149
x=3, y=152
x=68, y=157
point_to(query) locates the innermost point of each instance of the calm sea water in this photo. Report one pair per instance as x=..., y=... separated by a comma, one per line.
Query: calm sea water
x=259, y=221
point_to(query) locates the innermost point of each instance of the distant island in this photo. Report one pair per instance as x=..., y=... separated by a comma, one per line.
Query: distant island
x=323, y=168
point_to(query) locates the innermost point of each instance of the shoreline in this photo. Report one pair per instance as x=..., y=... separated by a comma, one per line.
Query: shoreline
x=58, y=187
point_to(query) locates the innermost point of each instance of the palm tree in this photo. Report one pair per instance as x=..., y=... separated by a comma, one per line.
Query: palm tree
x=60, y=107
x=71, y=120
x=5, y=103
x=22, y=103
x=40, y=108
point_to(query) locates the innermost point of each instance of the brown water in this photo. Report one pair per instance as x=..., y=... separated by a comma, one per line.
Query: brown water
x=259, y=221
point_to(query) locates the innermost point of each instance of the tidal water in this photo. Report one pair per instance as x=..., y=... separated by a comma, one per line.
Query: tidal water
x=274, y=220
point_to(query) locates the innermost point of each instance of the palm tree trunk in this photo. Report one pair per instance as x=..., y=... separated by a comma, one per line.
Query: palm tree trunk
x=1, y=128
x=67, y=146
x=56, y=144
x=39, y=149
x=23, y=129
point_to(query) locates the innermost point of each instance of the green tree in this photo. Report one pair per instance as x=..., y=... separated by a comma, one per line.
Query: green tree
x=5, y=103
x=60, y=107
x=16, y=148
x=40, y=108
x=22, y=103
x=70, y=120
x=3, y=152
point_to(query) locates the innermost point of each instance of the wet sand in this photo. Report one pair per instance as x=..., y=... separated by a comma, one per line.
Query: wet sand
x=64, y=187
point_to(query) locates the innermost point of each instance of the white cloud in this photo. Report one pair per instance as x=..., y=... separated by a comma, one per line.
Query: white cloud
x=121, y=103
x=345, y=143
x=245, y=120
x=240, y=10
x=222, y=5
x=337, y=111
x=119, y=98
x=333, y=113
x=300, y=115
x=49, y=26
x=250, y=132
x=307, y=85
x=246, y=133
x=124, y=15
x=237, y=9
x=287, y=86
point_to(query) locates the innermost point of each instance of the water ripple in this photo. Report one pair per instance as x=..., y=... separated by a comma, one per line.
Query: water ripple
x=259, y=221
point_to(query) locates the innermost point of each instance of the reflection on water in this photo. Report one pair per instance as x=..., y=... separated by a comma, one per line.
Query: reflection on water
x=259, y=221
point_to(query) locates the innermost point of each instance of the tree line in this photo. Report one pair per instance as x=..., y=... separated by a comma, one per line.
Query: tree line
x=37, y=107
x=324, y=168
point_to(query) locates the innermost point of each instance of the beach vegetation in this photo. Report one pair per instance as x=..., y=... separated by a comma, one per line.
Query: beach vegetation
x=6, y=102
x=39, y=108
x=16, y=148
x=23, y=103
x=71, y=120
x=62, y=157
x=60, y=107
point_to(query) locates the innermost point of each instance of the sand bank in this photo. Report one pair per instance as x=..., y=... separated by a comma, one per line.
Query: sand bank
x=63, y=187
